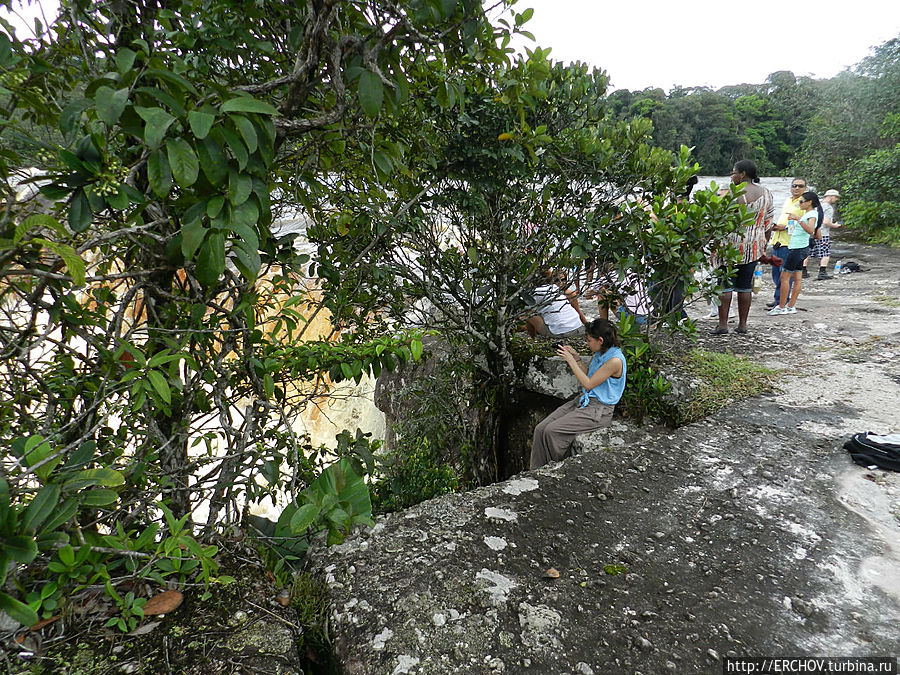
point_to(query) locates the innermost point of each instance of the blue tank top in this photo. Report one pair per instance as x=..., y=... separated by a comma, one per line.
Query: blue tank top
x=610, y=390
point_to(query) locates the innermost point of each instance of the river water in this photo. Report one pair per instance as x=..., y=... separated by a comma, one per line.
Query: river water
x=779, y=187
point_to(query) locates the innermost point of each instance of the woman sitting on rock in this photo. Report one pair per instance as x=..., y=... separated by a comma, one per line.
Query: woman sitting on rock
x=602, y=382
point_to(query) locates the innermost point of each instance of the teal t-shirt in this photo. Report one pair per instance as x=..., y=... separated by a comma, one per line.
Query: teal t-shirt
x=799, y=236
x=610, y=390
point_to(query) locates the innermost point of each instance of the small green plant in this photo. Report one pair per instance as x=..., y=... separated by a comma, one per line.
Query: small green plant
x=131, y=609
x=614, y=569
x=645, y=389
x=412, y=475
x=335, y=501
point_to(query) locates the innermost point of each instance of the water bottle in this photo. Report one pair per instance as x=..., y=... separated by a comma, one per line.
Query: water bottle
x=757, y=280
x=837, y=266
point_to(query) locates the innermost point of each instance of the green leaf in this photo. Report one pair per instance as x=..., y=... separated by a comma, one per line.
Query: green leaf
x=66, y=555
x=248, y=133
x=247, y=261
x=40, y=508
x=83, y=455
x=192, y=235
x=80, y=214
x=120, y=200
x=171, y=78
x=74, y=262
x=62, y=515
x=243, y=221
x=305, y=516
x=185, y=167
x=160, y=385
x=21, y=548
x=159, y=173
x=99, y=497
x=211, y=259
x=213, y=161
x=382, y=162
x=157, y=121
x=214, y=206
x=110, y=104
x=36, y=221
x=18, y=610
x=89, y=477
x=200, y=122
x=416, y=348
x=124, y=60
x=36, y=451
x=245, y=104
x=234, y=143
x=55, y=192
x=71, y=115
x=239, y=187
x=370, y=92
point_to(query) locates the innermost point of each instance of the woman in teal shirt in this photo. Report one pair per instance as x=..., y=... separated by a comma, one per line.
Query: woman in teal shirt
x=798, y=250
x=602, y=383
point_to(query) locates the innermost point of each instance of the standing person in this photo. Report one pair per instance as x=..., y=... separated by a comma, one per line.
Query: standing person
x=821, y=248
x=790, y=210
x=751, y=243
x=602, y=382
x=798, y=251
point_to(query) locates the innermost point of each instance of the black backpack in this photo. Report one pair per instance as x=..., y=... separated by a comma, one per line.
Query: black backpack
x=866, y=451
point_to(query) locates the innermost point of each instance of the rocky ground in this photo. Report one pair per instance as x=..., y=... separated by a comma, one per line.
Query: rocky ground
x=748, y=534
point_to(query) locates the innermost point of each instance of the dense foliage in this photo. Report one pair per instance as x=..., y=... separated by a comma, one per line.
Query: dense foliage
x=837, y=133
x=152, y=324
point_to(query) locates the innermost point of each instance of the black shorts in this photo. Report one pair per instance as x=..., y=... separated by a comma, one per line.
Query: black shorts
x=794, y=260
x=742, y=279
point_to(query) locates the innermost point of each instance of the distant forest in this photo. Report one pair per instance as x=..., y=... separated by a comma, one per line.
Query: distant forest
x=842, y=132
x=787, y=124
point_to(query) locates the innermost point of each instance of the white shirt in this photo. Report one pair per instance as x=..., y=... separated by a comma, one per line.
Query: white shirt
x=556, y=310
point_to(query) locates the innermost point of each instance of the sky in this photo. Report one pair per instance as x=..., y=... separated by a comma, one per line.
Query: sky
x=664, y=43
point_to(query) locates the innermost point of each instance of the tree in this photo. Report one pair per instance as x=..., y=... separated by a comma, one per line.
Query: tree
x=149, y=329
x=530, y=175
x=849, y=119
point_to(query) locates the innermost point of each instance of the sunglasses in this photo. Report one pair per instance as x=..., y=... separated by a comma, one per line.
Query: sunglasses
x=798, y=186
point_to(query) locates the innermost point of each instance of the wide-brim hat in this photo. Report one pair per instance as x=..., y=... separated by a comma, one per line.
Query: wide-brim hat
x=832, y=193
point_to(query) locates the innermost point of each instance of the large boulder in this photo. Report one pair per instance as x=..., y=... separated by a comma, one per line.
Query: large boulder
x=663, y=552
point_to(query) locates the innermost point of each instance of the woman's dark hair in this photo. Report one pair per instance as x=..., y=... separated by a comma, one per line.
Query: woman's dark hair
x=814, y=198
x=603, y=328
x=748, y=168
x=692, y=181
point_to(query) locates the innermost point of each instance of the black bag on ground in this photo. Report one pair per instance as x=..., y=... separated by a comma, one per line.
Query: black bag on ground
x=852, y=266
x=867, y=451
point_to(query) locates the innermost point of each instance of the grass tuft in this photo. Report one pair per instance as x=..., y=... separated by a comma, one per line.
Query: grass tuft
x=726, y=378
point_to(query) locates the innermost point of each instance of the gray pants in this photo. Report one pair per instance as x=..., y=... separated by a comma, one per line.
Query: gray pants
x=555, y=434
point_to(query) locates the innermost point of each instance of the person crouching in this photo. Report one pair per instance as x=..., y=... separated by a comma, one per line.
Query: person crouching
x=602, y=383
